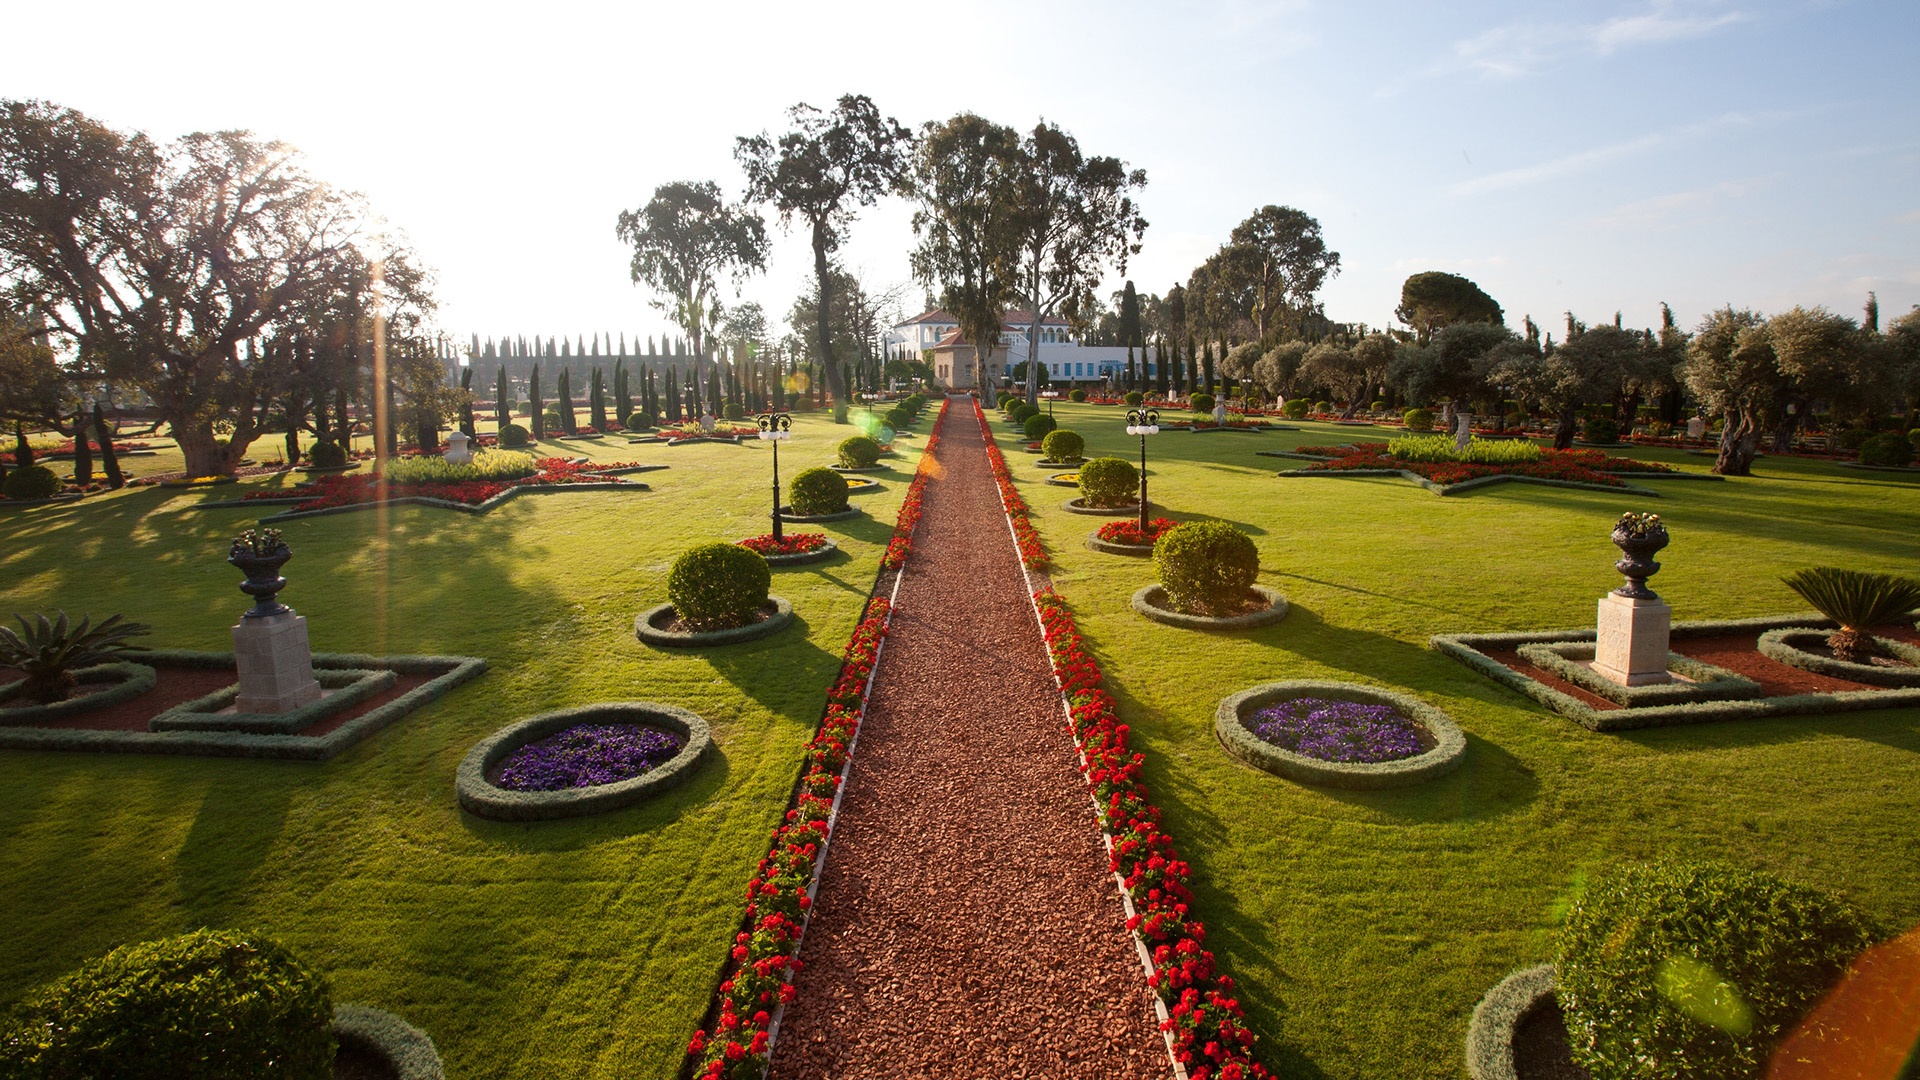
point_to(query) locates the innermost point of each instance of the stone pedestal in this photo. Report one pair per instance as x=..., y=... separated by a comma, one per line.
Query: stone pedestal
x=275, y=662
x=1632, y=645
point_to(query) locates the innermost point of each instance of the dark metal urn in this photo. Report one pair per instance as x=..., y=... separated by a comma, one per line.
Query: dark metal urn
x=1636, y=562
x=263, y=578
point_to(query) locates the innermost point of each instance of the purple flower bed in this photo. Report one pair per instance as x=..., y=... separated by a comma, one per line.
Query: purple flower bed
x=1345, y=731
x=585, y=755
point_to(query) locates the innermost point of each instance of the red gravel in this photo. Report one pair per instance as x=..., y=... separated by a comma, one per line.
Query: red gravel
x=966, y=925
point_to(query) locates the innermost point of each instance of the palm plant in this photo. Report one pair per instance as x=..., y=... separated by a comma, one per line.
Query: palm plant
x=49, y=651
x=1858, y=601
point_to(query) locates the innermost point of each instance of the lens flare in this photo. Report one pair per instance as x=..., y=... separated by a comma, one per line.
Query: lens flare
x=1701, y=992
x=1867, y=1027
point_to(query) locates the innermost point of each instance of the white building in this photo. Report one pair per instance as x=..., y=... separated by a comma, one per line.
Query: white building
x=935, y=335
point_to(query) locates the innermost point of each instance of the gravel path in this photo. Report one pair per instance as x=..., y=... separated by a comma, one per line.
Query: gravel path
x=966, y=925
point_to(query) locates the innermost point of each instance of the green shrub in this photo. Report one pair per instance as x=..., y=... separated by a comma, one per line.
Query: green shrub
x=1859, y=601
x=898, y=418
x=818, y=490
x=859, y=452
x=31, y=482
x=1854, y=438
x=1063, y=445
x=1201, y=403
x=1109, y=481
x=1133, y=398
x=525, y=408
x=1037, y=426
x=1323, y=406
x=1377, y=406
x=1010, y=403
x=1076, y=395
x=1438, y=448
x=716, y=586
x=1022, y=412
x=1418, y=420
x=1693, y=971
x=210, y=1005
x=1207, y=567
x=1295, y=409
x=486, y=465
x=635, y=421
x=556, y=420
x=733, y=411
x=513, y=435
x=1602, y=430
x=1889, y=448
x=327, y=455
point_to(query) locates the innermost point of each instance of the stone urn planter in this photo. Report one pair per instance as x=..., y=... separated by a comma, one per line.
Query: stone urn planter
x=263, y=577
x=1636, y=559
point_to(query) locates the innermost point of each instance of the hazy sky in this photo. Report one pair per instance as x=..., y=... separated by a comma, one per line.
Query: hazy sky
x=1584, y=156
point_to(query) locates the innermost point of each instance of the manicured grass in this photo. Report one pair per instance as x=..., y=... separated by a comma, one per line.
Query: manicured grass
x=582, y=948
x=1363, y=926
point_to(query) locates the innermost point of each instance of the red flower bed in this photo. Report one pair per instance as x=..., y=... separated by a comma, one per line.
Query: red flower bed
x=1033, y=553
x=1581, y=466
x=788, y=544
x=350, y=489
x=901, y=544
x=724, y=433
x=67, y=448
x=1128, y=531
x=1206, y=1023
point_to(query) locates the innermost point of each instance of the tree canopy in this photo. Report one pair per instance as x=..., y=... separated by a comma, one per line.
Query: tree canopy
x=683, y=240
x=962, y=177
x=1435, y=299
x=1284, y=254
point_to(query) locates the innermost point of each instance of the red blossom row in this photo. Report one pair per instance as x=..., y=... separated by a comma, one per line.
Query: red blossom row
x=765, y=956
x=1128, y=531
x=352, y=489
x=1210, y=1036
x=787, y=544
x=1581, y=466
x=1033, y=553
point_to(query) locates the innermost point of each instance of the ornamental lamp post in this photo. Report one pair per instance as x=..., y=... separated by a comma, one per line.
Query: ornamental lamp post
x=1049, y=395
x=1143, y=422
x=776, y=428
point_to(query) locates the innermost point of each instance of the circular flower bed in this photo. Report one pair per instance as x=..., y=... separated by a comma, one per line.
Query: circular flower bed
x=1079, y=506
x=1807, y=650
x=107, y=684
x=1339, y=734
x=1125, y=537
x=655, y=626
x=792, y=549
x=1151, y=602
x=1498, y=1019
x=580, y=761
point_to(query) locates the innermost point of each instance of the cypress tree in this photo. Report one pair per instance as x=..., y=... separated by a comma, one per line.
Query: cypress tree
x=673, y=395
x=1206, y=368
x=539, y=412
x=501, y=413
x=1163, y=379
x=1129, y=365
x=563, y=393
x=109, y=461
x=597, y=403
x=22, y=453
x=622, y=400
x=466, y=405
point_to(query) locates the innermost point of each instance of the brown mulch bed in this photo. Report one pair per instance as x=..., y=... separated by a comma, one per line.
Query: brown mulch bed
x=678, y=625
x=178, y=685
x=966, y=924
x=1540, y=1047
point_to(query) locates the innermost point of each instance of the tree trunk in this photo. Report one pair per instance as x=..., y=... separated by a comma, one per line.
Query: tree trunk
x=1739, y=440
x=1033, y=353
x=205, y=454
x=109, y=462
x=1783, y=431
x=834, y=383
x=1563, y=434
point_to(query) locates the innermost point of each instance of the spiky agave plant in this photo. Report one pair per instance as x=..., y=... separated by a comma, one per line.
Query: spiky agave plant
x=48, y=651
x=1858, y=601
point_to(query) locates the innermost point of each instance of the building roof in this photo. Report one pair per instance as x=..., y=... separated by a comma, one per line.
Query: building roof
x=1017, y=319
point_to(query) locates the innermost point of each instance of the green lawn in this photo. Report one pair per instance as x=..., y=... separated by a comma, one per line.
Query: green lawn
x=1364, y=926
x=563, y=949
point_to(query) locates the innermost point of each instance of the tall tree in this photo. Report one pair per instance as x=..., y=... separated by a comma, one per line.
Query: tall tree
x=1731, y=369
x=1435, y=299
x=1072, y=215
x=684, y=240
x=1821, y=355
x=962, y=173
x=1287, y=258
x=1129, y=320
x=823, y=169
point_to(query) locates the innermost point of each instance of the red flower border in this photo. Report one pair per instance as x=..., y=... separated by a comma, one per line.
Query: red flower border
x=1579, y=466
x=1033, y=552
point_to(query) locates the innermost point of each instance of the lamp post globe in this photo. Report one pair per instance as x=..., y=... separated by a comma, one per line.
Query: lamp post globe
x=776, y=428
x=1143, y=422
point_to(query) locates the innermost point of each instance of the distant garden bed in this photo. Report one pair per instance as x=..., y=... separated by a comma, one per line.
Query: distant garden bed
x=342, y=492
x=1559, y=468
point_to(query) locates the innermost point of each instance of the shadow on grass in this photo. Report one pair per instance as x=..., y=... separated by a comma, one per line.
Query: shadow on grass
x=575, y=834
x=1895, y=728
x=232, y=837
x=787, y=674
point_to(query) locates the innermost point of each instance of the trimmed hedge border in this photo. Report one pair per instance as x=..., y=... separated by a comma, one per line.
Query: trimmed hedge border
x=1467, y=649
x=1879, y=468
x=1150, y=601
x=1049, y=463
x=1499, y=1015
x=447, y=672
x=1079, y=506
x=1057, y=482
x=644, y=629
x=1709, y=683
x=1296, y=456
x=129, y=680
x=405, y=1048
x=1781, y=645
x=787, y=514
x=1230, y=727
x=350, y=687
x=863, y=487
x=480, y=797
x=1138, y=551
x=819, y=554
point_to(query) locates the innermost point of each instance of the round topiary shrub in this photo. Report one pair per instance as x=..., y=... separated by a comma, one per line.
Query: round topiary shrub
x=1323, y=406
x=898, y=418
x=1694, y=971
x=1109, y=481
x=1037, y=426
x=210, y=1005
x=636, y=421
x=1076, y=395
x=513, y=435
x=1889, y=449
x=1295, y=409
x=859, y=452
x=716, y=586
x=1602, y=430
x=1201, y=403
x=1207, y=567
x=327, y=455
x=1418, y=420
x=525, y=408
x=1063, y=445
x=1010, y=403
x=1377, y=406
x=556, y=419
x=31, y=482
x=818, y=491
x=1133, y=399
x=1854, y=438
x=1022, y=412
x=733, y=411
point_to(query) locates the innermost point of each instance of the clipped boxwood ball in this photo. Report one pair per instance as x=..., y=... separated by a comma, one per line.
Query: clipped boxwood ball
x=1207, y=567
x=327, y=455
x=525, y=408
x=636, y=421
x=1418, y=420
x=1201, y=403
x=210, y=1005
x=1887, y=449
x=859, y=452
x=1037, y=426
x=1133, y=398
x=897, y=418
x=513, y=435
x=1023, y=411
x=1323, y=407
x=818, y=490
x=31, y=482
x=715, y=586
x=1695, y=970
x=1295, y=409
x=1076, y=395
x=1109, y=481
x=733, y=411
x=1010, y=403
x=1063, y=445
x=1603, y=431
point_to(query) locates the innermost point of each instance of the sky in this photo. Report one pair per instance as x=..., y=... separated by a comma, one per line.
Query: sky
x=1584, y=157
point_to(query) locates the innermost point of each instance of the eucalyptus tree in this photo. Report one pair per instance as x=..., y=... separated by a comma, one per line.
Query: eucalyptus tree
x=1072, y=216
x=1284, y=254
x=962, y=177
x=823, y=169
x=684, y=240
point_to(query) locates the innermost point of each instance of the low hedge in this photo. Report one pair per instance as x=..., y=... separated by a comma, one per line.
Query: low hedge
x=407, y=1050
x=649, y=626
x=482, y=798
x=818, y=491
x=1446, y=755
x=1789, y=646
x=118, y=682
x=1498, y=1017
x=1151, y=602
x=1705, y=682
x=718, y=586
x=349, y=687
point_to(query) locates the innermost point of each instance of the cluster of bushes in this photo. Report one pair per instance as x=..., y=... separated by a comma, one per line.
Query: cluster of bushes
x=1888, y=449
x=1206, y=567
x=1439, y=448
x=486, y=465
x=720, y=586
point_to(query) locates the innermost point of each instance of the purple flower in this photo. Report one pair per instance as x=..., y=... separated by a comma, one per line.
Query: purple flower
x=587, y=754
x=1345, y=731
